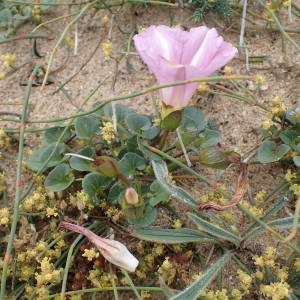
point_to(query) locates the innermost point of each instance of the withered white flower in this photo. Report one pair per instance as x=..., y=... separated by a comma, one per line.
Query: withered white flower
x=114, y=251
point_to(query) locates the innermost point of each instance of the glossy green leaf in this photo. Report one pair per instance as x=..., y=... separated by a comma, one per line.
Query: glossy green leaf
x=86, y=127
x=59, y=178
x=141, y=125
x=132, y=162
x=52, y=135
x=159, y=194
x=122, y=111
x=161, y=173
x=291, y=114
x=6, y=17
x=208, y=138
x=38, y=157
x=81, y=164
x=148, y=217
x=94, y=184
x=194, y=290
x=214, y=230
x=116, y=193
x=289, y=137
x=269, y=152
x=171, y=236
x=193, y=118
x=137, y=123
x=296, y=160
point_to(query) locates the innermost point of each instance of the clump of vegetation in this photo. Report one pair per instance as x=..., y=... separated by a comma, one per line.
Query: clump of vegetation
x=221, y=7
x=129, y=178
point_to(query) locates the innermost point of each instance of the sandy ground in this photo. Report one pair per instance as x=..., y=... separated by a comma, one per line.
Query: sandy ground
x=237, y=121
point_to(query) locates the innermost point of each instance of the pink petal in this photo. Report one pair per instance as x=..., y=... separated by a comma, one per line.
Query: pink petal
x=159, y=42
x=213, y=53
x=194, y=39
x=176, y=55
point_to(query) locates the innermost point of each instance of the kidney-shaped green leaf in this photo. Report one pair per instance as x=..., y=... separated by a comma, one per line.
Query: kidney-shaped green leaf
x=51, y=135
x=38, y=157
x=269, y=152
x=93, y=184
x=59, y=178
x=86, y=127
x=81, y=164
x=132, y=162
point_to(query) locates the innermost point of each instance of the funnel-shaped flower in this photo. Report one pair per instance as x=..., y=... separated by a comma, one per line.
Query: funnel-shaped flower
x=173, y=54
x=113, y=251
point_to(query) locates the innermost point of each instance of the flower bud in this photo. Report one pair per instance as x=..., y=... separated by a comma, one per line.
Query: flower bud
x=132, y=204
x=170, y=118
x=106, y=166
x=131, y=197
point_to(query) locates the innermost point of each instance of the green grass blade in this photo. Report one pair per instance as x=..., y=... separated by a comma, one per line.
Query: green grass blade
x=171, y=236
x=278, y=223
x=194, y=290
x=278, y=205
x=214, y=230
x=161, y=173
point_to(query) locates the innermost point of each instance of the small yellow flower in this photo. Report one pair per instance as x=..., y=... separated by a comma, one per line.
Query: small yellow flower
x=105, y=20
x=244, y=277
x=202, y=87
x=145, y=294
x=166, y=265
x=2, y=75
x=140, y=247
x=158, y=250
x=277, y=106
x=48, y=274
x=236, y=294
x=41, y=246
x=295, y=188
x=4, y=139
x=177, y=224
x=108, y=132
x=260, y=79
x=107, y=48
x=227, y=70
x=259, y=275
x=286, y=3
x=266, y=124
x=282, y=273
x=297, y=264
x=260, y=196
x=4, y=216
x=141, y=274
x=90, y=254
x=149, y=259
x=276, y=290
x=167, y=271
x=8, y=59
x=36, y=12
x=290, y=176
x=258, y=212
x=51, y=212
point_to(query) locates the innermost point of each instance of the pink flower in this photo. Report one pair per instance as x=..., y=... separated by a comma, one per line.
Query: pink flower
x=175, y=55
x=113, y=251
